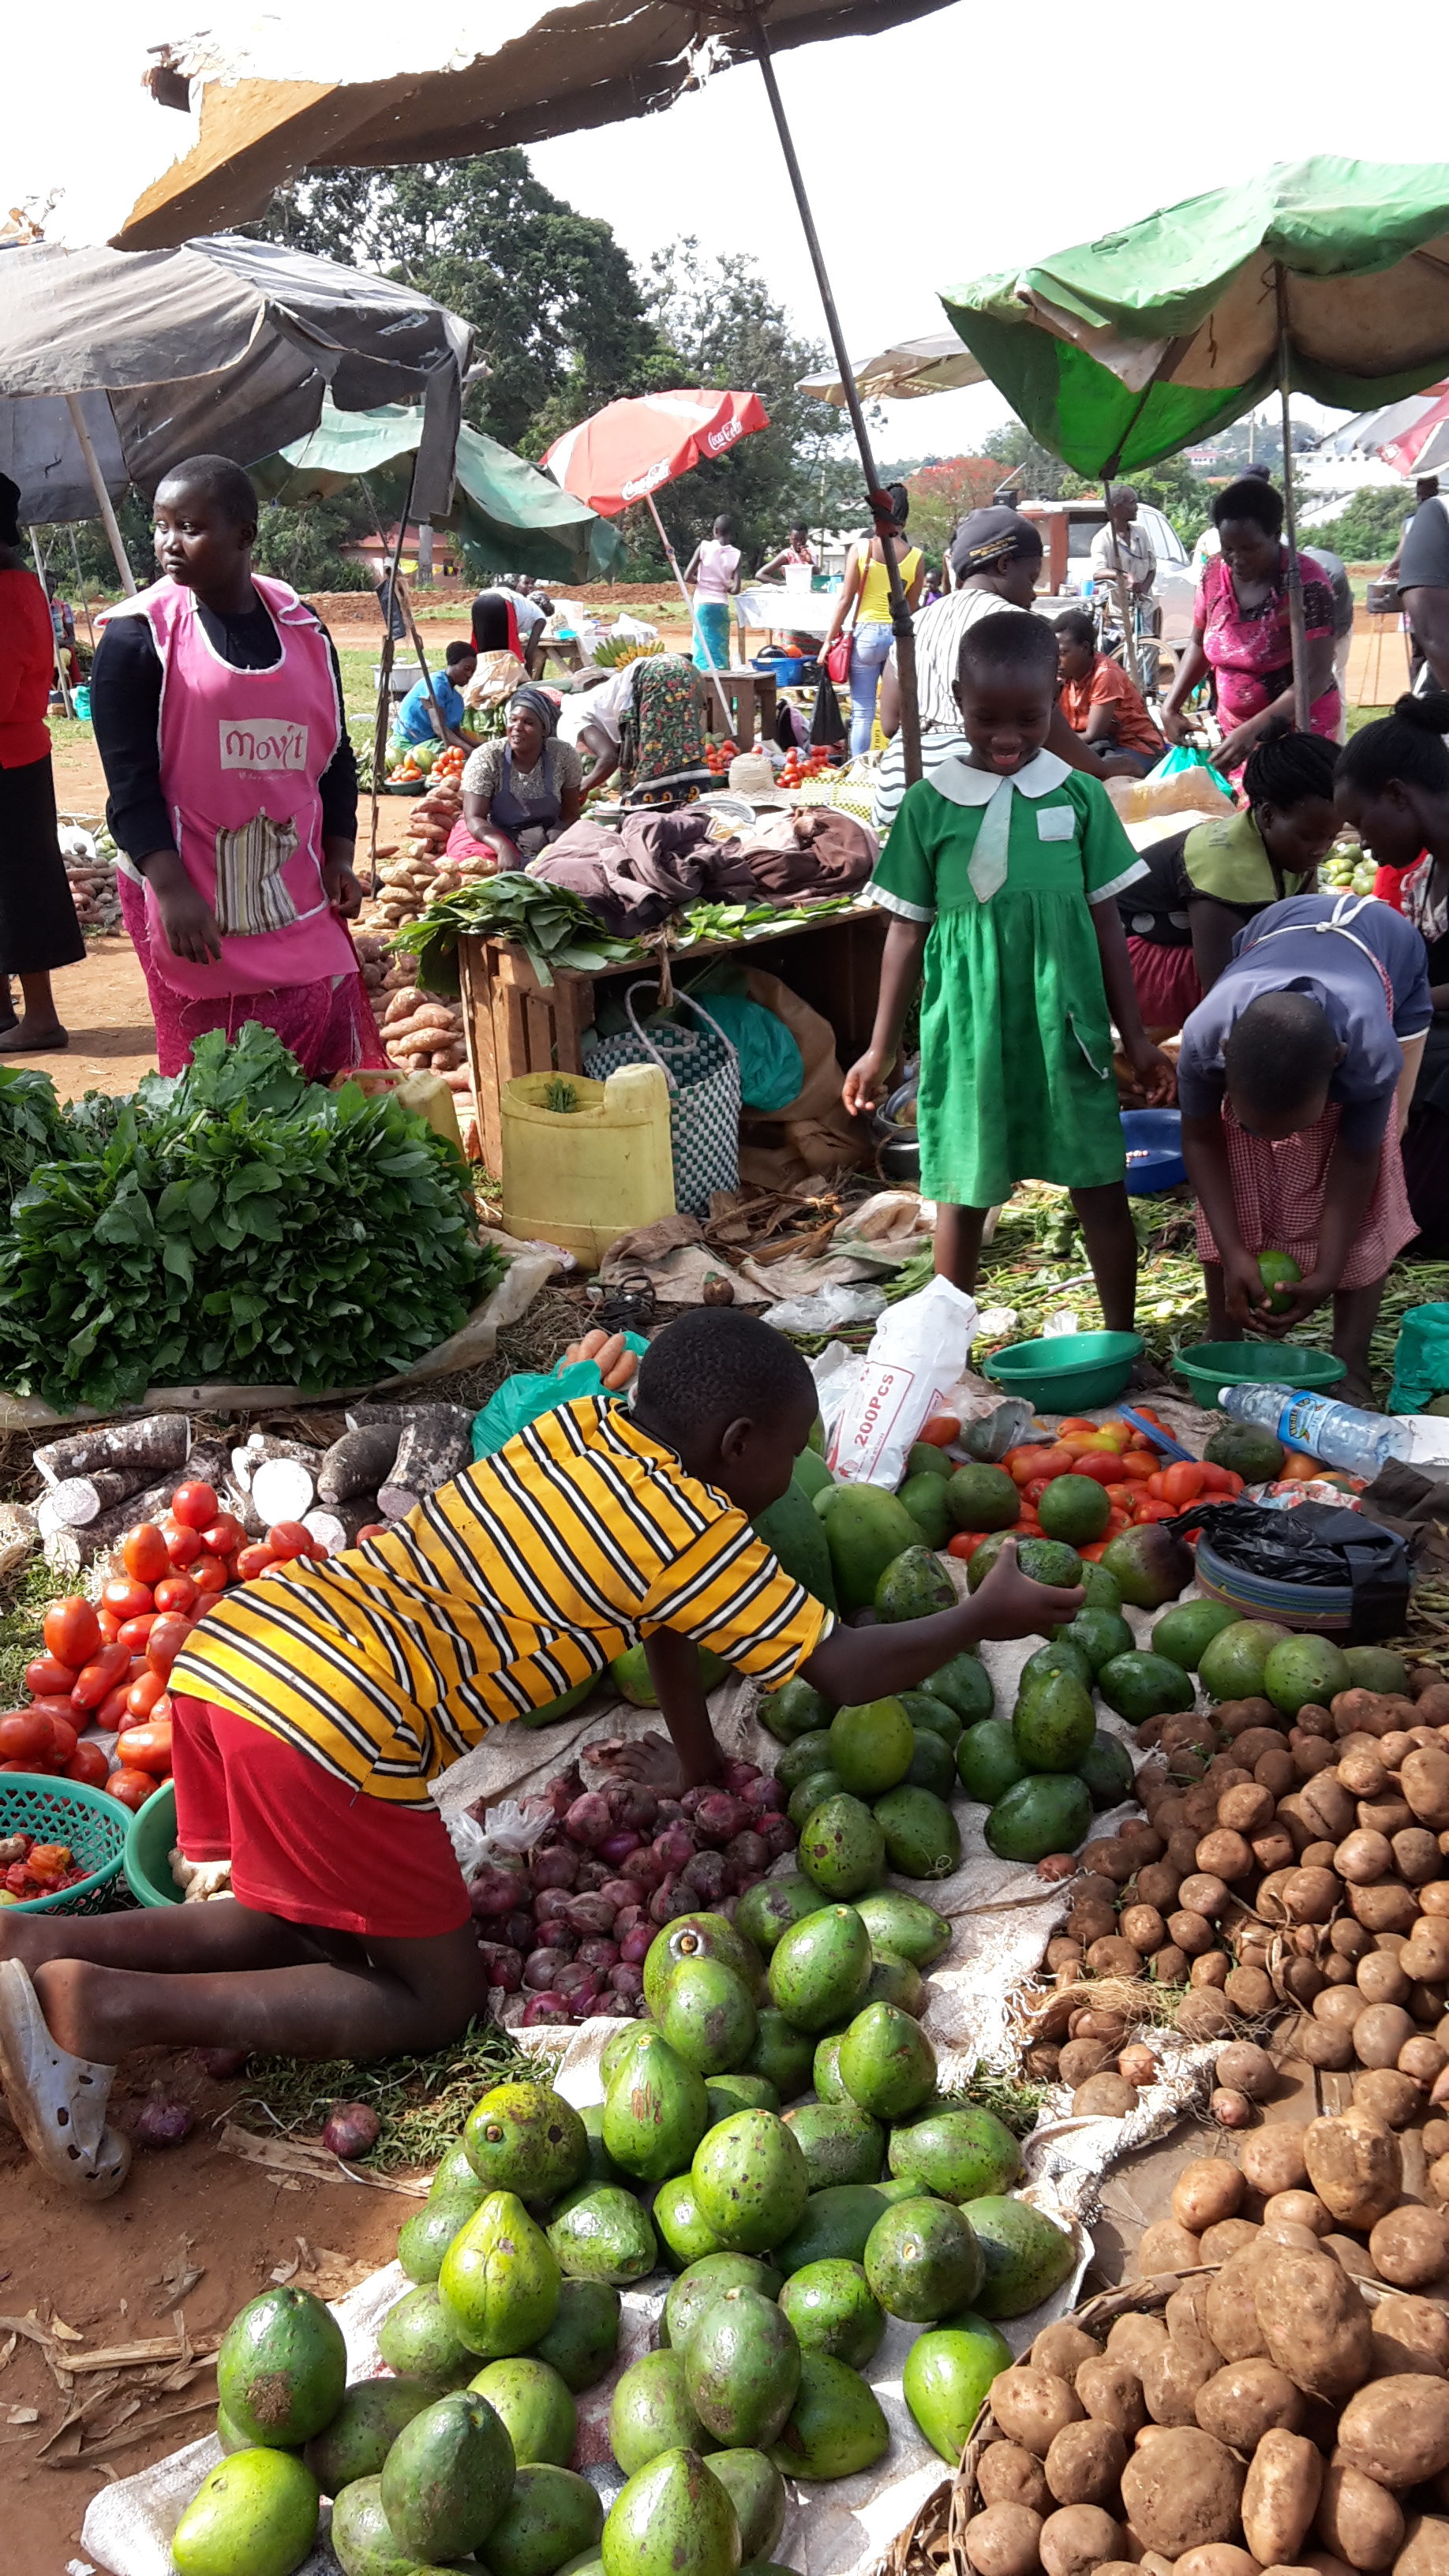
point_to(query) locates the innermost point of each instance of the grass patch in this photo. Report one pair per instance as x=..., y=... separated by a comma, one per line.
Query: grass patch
x=1015, y=2100
x=422, y=2102
x=25, y=1603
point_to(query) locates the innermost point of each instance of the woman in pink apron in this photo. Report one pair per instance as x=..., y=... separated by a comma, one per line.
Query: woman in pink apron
x=1294, y=1078
x=217, y=705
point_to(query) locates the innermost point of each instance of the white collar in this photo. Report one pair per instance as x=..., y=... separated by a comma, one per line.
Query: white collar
x=962, y=785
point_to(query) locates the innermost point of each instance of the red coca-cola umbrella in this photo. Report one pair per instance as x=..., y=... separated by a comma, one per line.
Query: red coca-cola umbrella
x=629, y=449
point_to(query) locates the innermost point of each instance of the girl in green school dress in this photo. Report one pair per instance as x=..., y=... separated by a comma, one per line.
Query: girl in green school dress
x=1002, y=871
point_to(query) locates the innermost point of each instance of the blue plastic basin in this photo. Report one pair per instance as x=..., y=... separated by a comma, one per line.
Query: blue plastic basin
x=1153, y=1138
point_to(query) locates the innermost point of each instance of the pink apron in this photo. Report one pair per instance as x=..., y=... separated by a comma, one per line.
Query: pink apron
x=242, y=754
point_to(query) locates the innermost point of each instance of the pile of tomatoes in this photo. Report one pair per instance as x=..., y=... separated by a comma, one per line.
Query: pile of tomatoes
x=798, y=768
x=31, y=1868
x=107, y=1663
x=1126, y=1462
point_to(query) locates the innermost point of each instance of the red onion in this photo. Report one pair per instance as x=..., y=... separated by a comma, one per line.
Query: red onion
x=671, y=1812
x=593, y=1873
x=552, y=1906
x=598, y=1954
x=766, y=1796
x=545, y=2008
x=720, y=1816
x=561, y=1793
x=159, y=2123
x=746, y=1879
x=620, y=1892
x=662, y=1907
x=691, y=1799
x=707, y=1876
x=588, y=1820
x=740, y=1776
x=644, y=1869
x=619, y=1845
x=627, y=1980
x=612, y=2007
x=590, y=1915
x=679, y=1900
x=636, y=1945
x=540, y=1973
x=747, y=1851
x=639, y=1807
x=674, y=1847
x=520, y=1932
x=729, y=1907
x=351, y=2129
x=627, y=1920
x=556, y=1866
x=572, y=1979
x=505, y=1971
x=778, y=1836
x=493, y=1894
x=219, y=2063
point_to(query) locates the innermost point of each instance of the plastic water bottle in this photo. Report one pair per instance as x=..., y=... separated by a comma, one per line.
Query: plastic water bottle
x=1342, y=1435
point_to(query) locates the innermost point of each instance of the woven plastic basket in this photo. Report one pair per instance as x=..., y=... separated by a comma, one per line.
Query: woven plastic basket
x=66, y=1811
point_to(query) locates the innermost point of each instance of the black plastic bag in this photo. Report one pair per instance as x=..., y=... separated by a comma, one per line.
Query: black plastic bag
x=827, y=724
x=1316, y=1545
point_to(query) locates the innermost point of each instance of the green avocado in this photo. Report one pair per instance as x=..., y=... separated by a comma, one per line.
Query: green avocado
x=1106, y=1767
x=915, y=1585
x=987, y=1760
x=1141, y=1685
x=924, y=1497
x=1026, y=2257
x=1051, y=1812
x=966, y=1687
x=1054, y=1724
x=793, y=1531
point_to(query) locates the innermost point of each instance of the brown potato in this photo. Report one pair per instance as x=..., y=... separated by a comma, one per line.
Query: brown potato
x=1112, y=2394
x=1228, y=2237
x=1434, y=1898
x=1138, y=2064
x=1169, y=1966
x=1340, y=2005
x=1114, y=1957
x=1249, y=1990
x=1273, y=2158
x=1321, y=2044
x=1077, y=2539
x=1230, y=2307
x=1061, y=1953
x=1003, y=2541
x=1424, y=1780
x=1397, y=2430
x=1349, y=1938
x=1422, y=2059
x=1157, y=1886
x=1364, y=1858
x=1280, y=2496
x=1031, y=2406
x=1190, y=1932
x=1310, y=1895
x=1416, y=1856
x=1185, y=2317
x=1144, y=1927
x=1358, y=2519
x=1328, y=1804
x=1297, y=2208
x=1426, y=1953
x=1426, y=2547
x=1212, y=1968
x=1006, y=2474
x=1165, y=2247
x=1204, y=2015
x=1134, y=2339
x=1062, y=2348
x=1171, y=2380
x=1284, y=2232
x=1350, y=2256
x=1248, y=2069
x=1207, y=2191
x=1104, y=2097
x=1081, y=2059
x=1379, y=2033
x=1182, y=2490
x=1416, y=2324
x=1386, y=1908
x=1389, y=1814
x=1410, y=2248
x=1245, y=1810
x=1219, y=2558
x=1247, y=2399
x=1225, y=1855
x=1317, y=2328
x=1085, y=2463
x=1355, y=2166
x=1380, y=1979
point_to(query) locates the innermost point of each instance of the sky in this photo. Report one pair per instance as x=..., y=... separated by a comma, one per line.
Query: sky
x=932, y=152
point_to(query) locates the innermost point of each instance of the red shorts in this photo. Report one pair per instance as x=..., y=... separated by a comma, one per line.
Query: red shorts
x=303, y=1844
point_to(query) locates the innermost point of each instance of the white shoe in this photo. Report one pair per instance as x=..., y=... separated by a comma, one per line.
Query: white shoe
x=58, y=2102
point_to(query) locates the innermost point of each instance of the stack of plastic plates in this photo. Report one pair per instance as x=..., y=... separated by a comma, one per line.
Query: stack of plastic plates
x=1326, y=1609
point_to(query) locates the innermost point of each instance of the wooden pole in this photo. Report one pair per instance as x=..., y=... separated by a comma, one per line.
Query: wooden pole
x=66, y=699
x=1290, y=510
x=104, y=510
x=724, y=703
x=901, y=623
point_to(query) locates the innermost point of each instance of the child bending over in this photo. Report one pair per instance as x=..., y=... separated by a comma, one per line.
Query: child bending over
x=314, y=1708
x=1003, y=870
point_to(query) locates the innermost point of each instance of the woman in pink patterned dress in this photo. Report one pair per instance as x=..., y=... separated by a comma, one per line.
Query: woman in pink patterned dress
x=1241, y=634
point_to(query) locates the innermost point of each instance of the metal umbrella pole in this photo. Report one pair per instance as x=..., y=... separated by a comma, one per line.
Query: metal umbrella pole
x=1296, y=623
x=901, y=625
x=695, y=631
x=64, y=685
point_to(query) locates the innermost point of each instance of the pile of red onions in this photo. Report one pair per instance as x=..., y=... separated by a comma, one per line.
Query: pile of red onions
x=570, y=1926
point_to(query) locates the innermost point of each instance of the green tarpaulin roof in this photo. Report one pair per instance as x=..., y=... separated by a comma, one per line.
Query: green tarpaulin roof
x=1147, y=340
x=514, y=516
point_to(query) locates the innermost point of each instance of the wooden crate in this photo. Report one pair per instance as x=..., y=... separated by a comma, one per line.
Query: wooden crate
x=513, y=1024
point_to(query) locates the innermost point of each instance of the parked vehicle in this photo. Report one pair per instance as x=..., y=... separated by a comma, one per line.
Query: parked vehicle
x=1067, y=530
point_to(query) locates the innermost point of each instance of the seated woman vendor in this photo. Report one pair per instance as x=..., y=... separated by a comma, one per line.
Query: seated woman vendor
x=1206, y=882
x=520, y=793
x=1105, y=709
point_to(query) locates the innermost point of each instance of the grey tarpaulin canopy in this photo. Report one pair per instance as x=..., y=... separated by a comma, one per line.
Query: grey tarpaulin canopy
x=223, y=346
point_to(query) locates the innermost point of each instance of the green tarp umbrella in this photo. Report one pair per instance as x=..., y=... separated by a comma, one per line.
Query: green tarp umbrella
x=513, y=516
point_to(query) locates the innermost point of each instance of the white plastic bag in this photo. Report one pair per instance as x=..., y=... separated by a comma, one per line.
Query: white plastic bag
x=918, y=1351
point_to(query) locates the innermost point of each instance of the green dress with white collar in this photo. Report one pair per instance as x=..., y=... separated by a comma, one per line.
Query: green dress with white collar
x=1016, y=1038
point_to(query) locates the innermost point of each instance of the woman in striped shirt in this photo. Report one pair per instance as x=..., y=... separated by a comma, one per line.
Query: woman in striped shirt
x=315, y=1707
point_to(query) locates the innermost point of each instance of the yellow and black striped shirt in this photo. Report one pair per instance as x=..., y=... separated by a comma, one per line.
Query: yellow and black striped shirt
x=525, y=1575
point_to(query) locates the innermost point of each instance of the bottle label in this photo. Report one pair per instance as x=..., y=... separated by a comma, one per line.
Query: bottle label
x=1300, y=1421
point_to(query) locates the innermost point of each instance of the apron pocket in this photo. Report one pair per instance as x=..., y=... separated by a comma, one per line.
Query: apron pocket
x=251, y=895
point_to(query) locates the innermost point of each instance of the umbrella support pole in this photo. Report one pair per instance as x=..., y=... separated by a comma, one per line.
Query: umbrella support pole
x=66, y=699
x=382, y=721
x=104, y=510
x=696, y=632
x=1296, y=627
x=901, y=624
x=1125, y=611
x=400, y=594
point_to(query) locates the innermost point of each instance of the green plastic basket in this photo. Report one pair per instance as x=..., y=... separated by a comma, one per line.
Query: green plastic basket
x=1065, y=1372
x=150, y=1840
x=1209, y=1366
x=67, y=1811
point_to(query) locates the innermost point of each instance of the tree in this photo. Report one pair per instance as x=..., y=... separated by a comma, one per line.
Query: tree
x=941, y=493
x=1036, y=475
x=1369, y=529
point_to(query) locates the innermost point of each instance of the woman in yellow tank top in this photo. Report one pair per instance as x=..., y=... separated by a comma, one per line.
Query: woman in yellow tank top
x=866, y=588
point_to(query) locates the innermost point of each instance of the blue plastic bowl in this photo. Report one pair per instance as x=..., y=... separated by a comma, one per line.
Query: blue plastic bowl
x=1153, y=1138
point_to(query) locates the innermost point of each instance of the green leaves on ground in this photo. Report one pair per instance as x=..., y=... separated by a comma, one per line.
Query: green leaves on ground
x=235, y=1222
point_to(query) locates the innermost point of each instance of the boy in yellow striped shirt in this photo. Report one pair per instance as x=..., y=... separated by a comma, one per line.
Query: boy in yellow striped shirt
x=315, y=1707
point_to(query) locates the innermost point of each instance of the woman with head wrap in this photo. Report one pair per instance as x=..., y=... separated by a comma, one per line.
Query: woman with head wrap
x=521, y=792
x=38, y=928
x=995, y=556
x=501, y=666
x=1241, y=630
x=645, y=723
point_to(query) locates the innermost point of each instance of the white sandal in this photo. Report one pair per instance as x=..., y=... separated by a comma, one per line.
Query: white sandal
x=58, y=2102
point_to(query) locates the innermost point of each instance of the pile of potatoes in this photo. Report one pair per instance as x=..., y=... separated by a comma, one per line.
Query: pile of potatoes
x=1280, y=1863
x=1341, y=2178
x=1272, y=2417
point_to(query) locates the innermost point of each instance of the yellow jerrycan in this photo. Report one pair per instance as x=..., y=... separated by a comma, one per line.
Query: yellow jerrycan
x=580, y=1176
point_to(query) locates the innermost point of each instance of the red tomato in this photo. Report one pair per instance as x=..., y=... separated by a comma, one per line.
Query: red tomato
x=1103, y=1467
x=100, y=1675
x=941, y=1430
x=289, y=1538
x=175, y=1592
x=254, y=1560
x=133, y=1633
x=146, y=1748
x=143, y=1552
x=27, y=1738
x=143, y=1694
x=209, y=1574
x=183, y=1545
x=125, y=1599
x=113, y=1712
x=72, y=1631
x=56, y=1704
x=965, y=1544
x=133, y=1788
x=1027, y=1465
x=110, y=1627
x=88, y=1763
x=1121, y=1497
x=64, y=1740
x=165, y=1643
x=1221, y=1480
x=1182, y=1482
x=1078, y=1427
x=223, y=1536
x=194, y=1505
x=1145, y=1413
x=44, y=1674
x=1139, y=1464
x=1148, y=1510
x=1031, y=1494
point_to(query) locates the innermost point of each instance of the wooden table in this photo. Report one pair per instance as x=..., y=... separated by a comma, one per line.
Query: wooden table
x=751, y=695
x=513, y=1024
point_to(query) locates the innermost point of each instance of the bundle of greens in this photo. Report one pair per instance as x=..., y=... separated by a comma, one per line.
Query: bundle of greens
x=236, y=1222
x=554, y=927
x=32, y=1129
x=750, y=920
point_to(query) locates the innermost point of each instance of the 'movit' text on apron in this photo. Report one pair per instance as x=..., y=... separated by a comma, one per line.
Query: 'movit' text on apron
x=264, y=748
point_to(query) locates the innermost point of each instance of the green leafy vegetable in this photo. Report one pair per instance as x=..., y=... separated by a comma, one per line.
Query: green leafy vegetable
x=236, y=1222
x=554, y=926
x=32, y=1129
